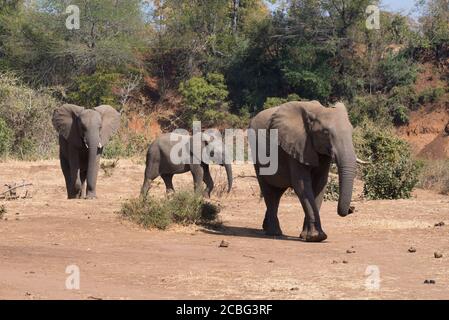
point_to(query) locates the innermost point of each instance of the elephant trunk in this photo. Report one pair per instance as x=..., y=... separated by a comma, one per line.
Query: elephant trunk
x=228, y=168
x=92, y=166
x=347, y=165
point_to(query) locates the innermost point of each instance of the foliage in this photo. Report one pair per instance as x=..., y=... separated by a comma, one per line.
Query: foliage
x=276, y=101
x=392, y=173
x=27, y=113
x=205, y=99
x=6, y=137
x=125, y=145
x=37, y=44
x=226, y=59
x=181, y=207
x=400, y=115
x=397, y=71
x=94, y=90
x=430, y=95
x=332, y=192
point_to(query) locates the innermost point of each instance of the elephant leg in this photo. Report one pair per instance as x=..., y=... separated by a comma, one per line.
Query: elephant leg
x=197, y=173
x=75, y=181
x=319, y=182
x=83, y=177
x=168, y=180
x=303, y=186
x=151, y=173
x=66, y=171
x=208, y=181
x=272, y=197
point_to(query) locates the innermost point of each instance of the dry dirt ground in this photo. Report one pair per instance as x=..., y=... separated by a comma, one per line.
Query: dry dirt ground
x=119, y=260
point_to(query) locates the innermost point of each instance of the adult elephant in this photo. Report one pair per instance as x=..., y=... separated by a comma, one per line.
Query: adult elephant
x=173, y=153
x=82, y=135
x=309, y=137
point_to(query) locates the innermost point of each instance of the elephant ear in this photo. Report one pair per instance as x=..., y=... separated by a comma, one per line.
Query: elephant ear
x=110, y=122
x=293, y=120
x=64, y=119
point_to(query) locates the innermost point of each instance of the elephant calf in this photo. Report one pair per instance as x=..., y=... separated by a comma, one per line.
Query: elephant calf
x=82, y=135
x=160, y=161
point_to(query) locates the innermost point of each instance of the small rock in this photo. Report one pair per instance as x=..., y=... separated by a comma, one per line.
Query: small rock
x=27, y=294
x=294, y=289
x=439, y=224
x=334, y=262
x=350, y=251
x=224, y=244
x=437, y=255
x=429, y=281
x=412, y=249
x=345, y=262
x=270, y=261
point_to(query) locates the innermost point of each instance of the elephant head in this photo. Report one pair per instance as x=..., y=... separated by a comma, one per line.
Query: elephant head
x=213, y=150
x=87, y=129
x=307, y=130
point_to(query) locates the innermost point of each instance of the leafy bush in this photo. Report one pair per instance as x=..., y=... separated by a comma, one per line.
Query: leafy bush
x=94, y=90
x=431, y=95
x=6, y=136
x=277, y=101
x=435, y=176
x=400, y=115
x=182, y=207
x=369, y=108
x=396, y=70
x=273, y=102
x=310, y=85
x=27, y=112
x=126, y=144
x=205, y=99
x=392, y=173
x=404, y=95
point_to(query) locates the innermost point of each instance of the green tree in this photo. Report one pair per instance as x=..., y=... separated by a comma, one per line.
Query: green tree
x=205, y=99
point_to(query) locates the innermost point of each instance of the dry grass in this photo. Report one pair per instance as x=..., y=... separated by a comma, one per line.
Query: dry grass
x=435, y=176
x=182, y=207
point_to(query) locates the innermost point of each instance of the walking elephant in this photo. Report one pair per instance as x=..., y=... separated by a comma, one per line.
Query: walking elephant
x=164, y=159
x=309, y=137
x=82, y=135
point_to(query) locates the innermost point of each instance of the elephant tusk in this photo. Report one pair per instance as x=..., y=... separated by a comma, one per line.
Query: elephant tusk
x=362, y=162
x=100, y=145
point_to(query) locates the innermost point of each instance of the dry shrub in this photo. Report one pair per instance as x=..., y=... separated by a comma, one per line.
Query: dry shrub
x=435, y=176
x=182, y=207
x=27, y=112
x=108, y=167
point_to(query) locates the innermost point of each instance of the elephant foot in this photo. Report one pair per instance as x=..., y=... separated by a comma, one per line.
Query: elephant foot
x=272, y=228
x=91, y=196
x=312, y=234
